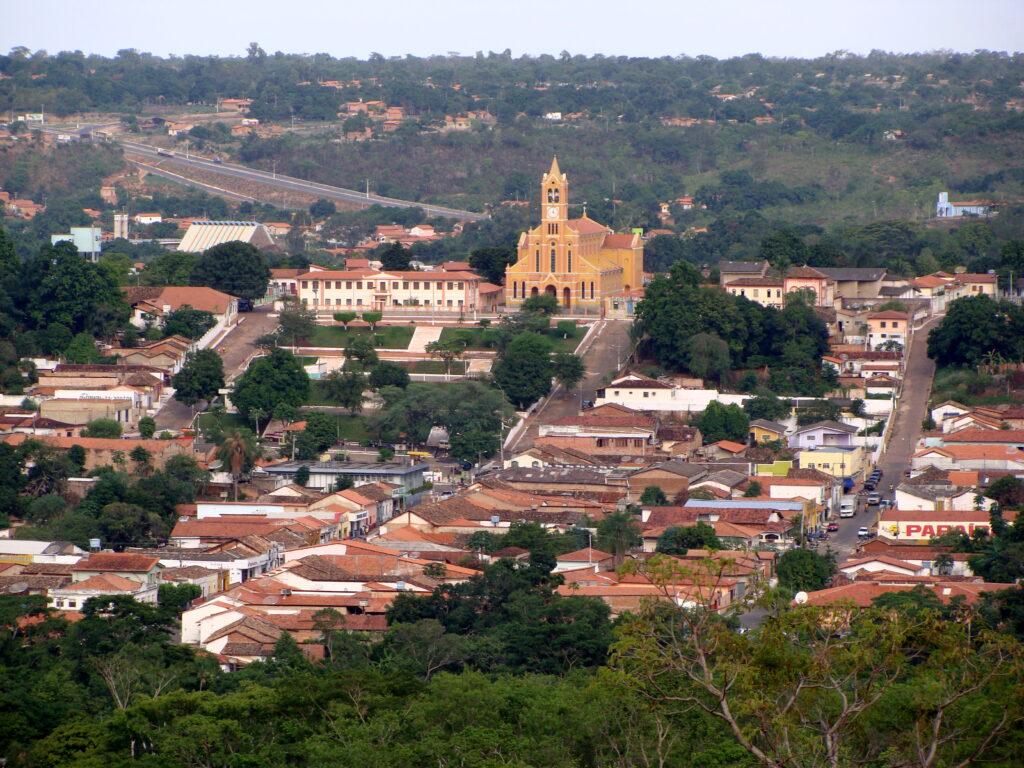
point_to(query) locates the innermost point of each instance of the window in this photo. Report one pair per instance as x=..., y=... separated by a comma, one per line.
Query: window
x=895, y=323
x=405, y=285
x=568, y=267
x=316, y=285
x=416, y=285
x=459, y=286
x=883, y=323
x=396, y=303
x=359, y=302
x=370, y=286
x=552, y=259
x=591, y=289
x=449, y=302
x=394, y=284
x=349, y=285
x=460, y=302
x=755, y=292
x=553, y=195
x=537, y=265
x=646, y=394
x=359, y=285
x=515, y=290
x=426, y=302
x=450, y=285
x=583, y=289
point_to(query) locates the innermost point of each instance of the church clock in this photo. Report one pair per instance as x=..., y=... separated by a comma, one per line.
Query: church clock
x=552, y=212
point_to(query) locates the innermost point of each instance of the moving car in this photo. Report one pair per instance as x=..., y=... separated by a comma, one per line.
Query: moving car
x=847, y=506
x=832, y=527
x=863, y=533
x=874, y=499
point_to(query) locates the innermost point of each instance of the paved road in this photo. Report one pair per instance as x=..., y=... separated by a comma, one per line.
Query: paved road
x=906, y=431
x=606, y=352
x=179, y=161
x=234, y=349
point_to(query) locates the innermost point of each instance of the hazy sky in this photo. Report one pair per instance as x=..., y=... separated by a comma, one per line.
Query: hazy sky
x=718, y=28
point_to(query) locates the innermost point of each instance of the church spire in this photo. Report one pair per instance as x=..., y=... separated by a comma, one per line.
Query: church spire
x=555, y=170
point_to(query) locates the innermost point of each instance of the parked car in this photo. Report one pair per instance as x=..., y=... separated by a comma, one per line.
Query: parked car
x=832, y=527
x=863, y=533
x=877, y=471
x=874, y=499
x=869, y=486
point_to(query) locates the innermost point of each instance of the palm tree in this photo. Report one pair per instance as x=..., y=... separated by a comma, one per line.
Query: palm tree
x=237, y=452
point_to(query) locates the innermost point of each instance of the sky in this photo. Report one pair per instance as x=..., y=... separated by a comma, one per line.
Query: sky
x=719, y=28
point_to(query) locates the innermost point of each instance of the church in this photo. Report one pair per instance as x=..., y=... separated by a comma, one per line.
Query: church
x=580, y=261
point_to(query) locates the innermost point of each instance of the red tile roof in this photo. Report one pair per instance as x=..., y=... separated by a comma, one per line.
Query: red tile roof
x=125, y=562
x=106, y=583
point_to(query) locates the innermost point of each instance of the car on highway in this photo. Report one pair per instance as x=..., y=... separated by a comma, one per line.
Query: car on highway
x=863, y=533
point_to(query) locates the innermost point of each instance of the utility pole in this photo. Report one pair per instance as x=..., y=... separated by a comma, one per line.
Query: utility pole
x=367, y=189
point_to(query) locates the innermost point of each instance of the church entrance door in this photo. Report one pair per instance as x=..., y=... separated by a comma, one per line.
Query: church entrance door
x=566, y=297
x=551, y=291
x=533, y=291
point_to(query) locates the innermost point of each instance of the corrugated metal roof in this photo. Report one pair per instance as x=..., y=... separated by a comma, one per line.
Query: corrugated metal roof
x=206, y=234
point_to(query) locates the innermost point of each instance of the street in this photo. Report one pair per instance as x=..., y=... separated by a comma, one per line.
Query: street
x=234, y=349
x=606, y=353
x=906, y=431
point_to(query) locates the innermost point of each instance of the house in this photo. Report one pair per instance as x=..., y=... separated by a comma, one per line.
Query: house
x=167, y=355
x=728, y=271
x=723, y=449
x=145, y=219
x=946, y=208
x=207, y=579
x=936, y=560
x=764, y=431
x=672, y=477
x=104, y=452
x=862, y=594
x=324, y=474
x=967, y=457
x=202, y=235
x=587, y=557
x=109, y=573
x=149, y=303
x=974, y=284
x=879, y=563
x=88, y=241
x=812, y=281
x=597, y=434
x=909, y=526
x=986, y=436
x=31, y=551
x=641, y=393
x=768, y=291
x=834, y=460
x=855, y=282
x=888, y=326
x=822, y=433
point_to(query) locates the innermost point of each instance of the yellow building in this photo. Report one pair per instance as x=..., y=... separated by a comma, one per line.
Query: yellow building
x=764, y=431
x=835, y=460
x=579, y=261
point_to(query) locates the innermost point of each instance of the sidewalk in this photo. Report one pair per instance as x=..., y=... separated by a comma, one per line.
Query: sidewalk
x=423, y=335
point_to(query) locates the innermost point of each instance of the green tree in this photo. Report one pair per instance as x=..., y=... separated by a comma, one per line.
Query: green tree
x=200, y=379
x=448, y=350
x=109, y=428
x=767, y=406
x=678, y=540
x=653, y=496
x=237, y=453
x=541, y=304
x=345, y=318
x=568, y=369
x=723, y=422
x=360, y=348
x=188, y=322
x=373, y=318
x=394, y=257
x=618, y=533
x=297, y=324
x=173, y=599
x=753, y=490
x=803, y=570
x=490, y=262
x=523, y=370
x=302, y=475
x=322, y=209
x=709, y=356
x=236, y=268
x=270, y=381
x=147, y=427
x=82, y=349
x=345, y=388
x=385, y=374
x=977, y=326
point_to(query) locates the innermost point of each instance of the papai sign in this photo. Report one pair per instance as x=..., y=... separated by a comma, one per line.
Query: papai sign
x=928, y=531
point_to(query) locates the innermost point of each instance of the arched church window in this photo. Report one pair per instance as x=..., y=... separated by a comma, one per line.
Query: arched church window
x=552, y=259
x=553, y=195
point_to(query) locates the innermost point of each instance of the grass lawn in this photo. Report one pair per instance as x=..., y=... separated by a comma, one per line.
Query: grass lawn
x=385, y=337
x=435, y=366
x=209, y=423
x=303, y=360
x=352, y=428
x=477, y=338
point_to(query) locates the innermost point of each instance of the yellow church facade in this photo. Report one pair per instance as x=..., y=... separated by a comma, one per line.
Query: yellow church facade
x=581, y=262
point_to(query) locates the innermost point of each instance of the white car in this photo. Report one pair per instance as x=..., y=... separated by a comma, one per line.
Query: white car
x=863, y=533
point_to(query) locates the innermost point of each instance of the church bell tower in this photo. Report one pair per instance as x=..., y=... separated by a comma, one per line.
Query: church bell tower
x=554, y=196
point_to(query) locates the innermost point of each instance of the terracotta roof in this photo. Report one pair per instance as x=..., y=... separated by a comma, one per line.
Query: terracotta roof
x=756, y=282
x=985, y=436
x=805, y=273
x=730, y=446
x=105, y=582
x=620, y=241
x=928, y=281
x=885, y=559
x=975, y=277
x=585, y=555
x=862, y=593
x=177, y=296
x=590, y=420
x=967, y=452
x=100, y=443
x=940, y=516
x=889, y=314
x=117, y=561
x=587, y=226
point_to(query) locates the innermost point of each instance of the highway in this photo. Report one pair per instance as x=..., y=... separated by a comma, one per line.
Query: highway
x=280, y=181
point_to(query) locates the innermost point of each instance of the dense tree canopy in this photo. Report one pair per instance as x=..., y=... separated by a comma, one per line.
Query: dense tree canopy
x=236, y=268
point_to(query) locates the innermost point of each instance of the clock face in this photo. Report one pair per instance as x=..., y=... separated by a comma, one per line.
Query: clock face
x=552, y=212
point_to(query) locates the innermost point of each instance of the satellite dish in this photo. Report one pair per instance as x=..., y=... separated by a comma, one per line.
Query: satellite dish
x=800, y=598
